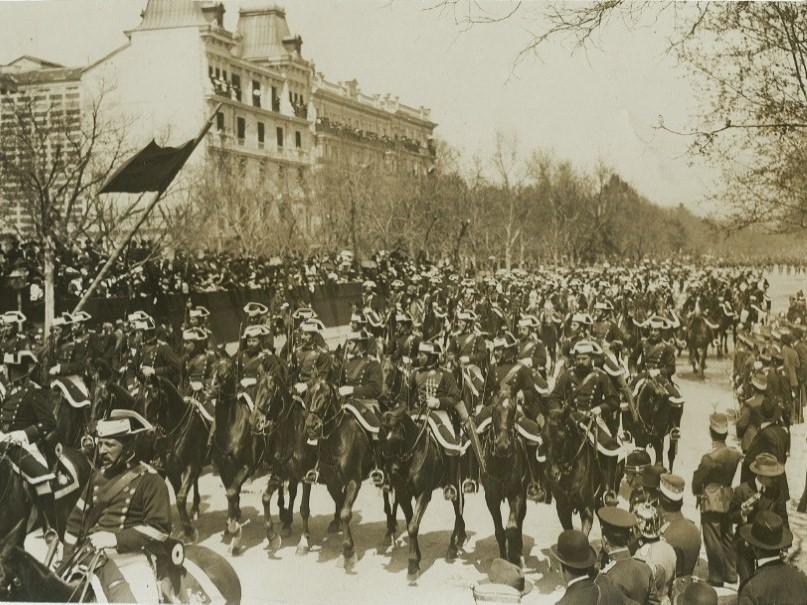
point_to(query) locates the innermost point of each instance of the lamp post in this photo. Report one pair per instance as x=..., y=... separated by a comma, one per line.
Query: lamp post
x=18, y=279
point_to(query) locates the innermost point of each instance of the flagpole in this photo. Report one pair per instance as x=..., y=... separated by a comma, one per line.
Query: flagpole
x=125, y=241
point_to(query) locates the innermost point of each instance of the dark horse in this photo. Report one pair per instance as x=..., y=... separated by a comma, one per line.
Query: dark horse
x=573, y=469
x=181, y=443
x=24, y=579
x=280, y=419
x=505, y=476
x=416, y=466
x=698, y=336
x=345, y=456
x=654, y=419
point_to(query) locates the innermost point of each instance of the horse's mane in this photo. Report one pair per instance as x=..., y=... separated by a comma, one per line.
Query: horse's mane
x=41, y=587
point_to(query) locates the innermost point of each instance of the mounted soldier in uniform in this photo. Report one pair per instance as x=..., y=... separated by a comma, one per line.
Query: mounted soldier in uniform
x=658, y=361
x=73, y=359
x=156, y=357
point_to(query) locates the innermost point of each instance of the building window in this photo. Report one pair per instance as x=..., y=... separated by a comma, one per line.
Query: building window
x=256, y=93
x=275, y=99
x=298, y=139
x=220, y=122
x=237, y=87
x=261, y=134
x=242, y=130
x=279, y=136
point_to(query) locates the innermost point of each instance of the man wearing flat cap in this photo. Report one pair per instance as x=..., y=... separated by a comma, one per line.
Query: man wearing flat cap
x=577, y=559
x=124, y=511
x=633, y=577
x=711, y=484
x=762, y=493
x=679, y=532
x=773, y=581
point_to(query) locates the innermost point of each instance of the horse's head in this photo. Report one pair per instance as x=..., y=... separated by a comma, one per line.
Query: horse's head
x=221, y=380
x=392, y=436
x=12, y=579
x=320, y=398
x=557, y=434
x=267, y=391
x=504, y=423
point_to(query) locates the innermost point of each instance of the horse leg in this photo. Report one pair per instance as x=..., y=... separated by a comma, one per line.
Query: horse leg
x=564, y=512
x=392, y=523
x=287, y=514
x=197, y=500
x=338, y=497
x=494, y=506
x=304, y=546
x=586, y=519
x=234, y=509
x=413, y=527
x=671, y=451
x=348, y=558
x=513, y=531
x=188, y=479
x=273, y=539
x=459, y=537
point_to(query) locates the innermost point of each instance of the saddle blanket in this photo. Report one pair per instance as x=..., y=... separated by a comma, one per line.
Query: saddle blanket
x=364, y=410
x=442, y=431
x=73, y=389
x=526, y=428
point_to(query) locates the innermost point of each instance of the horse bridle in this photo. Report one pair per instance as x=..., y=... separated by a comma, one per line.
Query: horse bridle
x=566, y=467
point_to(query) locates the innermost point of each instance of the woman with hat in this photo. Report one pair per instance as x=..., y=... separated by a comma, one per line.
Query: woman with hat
x=773, y=581
x=761, y=493
x=125, y=511
x=577, y=560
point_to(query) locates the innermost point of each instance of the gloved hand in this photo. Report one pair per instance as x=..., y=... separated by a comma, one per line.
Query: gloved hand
x=18, y=437
x=55, y=370
x=345, y=390
x=433, y=403
x=465, y=360
x=147, y=371
x=104, y=539
x=596, y=411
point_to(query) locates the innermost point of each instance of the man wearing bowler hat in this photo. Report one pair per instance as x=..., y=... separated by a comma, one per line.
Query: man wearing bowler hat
x=577, y=560
x=772, y=438
x=773, y=581
x=711, y=484
x=633, y=577
x=762, y=493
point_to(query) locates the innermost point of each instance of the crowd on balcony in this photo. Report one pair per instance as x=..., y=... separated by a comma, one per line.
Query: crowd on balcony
x=325, y=124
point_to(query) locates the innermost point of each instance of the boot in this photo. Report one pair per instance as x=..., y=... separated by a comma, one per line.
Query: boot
x=476, y=446
x=47, y=511
x=534, y=490
x=377, y=476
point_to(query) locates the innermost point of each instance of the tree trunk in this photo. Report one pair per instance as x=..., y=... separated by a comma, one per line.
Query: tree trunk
x=50, y=300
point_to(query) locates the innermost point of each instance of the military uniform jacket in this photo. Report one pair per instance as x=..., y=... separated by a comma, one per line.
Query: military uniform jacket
x=254, y=365
x=197, y=368
x=27, y=408
x=716, y=467
x=633, y=577
x=160, y=356
x=10, y=346
x=660, y=356
x=534, y=350
x=472, y=346
x=771, y=439
x=311, y=360
x=685, y=538
x=404, y=345
x=591, y=592
x=583, y=392
x=605, y=331
x=774, y=583
x=430, y=382
x=74, y=355
x=363, y=373
x=139, y=514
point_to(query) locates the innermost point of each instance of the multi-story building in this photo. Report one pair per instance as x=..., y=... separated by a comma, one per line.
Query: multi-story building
x=278, y=116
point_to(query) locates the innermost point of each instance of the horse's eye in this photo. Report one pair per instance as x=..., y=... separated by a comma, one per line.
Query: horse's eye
x=17, y=582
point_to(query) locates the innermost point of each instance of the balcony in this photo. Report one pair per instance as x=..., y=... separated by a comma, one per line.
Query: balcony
x=350, y=132
x=228, y=141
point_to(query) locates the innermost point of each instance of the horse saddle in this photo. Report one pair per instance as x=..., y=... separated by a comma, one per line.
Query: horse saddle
x=73, y=389
x=529, y=430
x=364, y=412
x=201, y=408
x=442, y=431
x=606, y=444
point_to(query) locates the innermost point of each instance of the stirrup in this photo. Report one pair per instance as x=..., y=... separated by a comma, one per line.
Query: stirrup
x=450, y=493
x=312, y=476
x=675, y=434
x=470, y=486
x=377, y=477
x=50, y=535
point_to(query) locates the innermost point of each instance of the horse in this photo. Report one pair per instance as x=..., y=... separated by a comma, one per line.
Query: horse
x=345, y=456
x=107, y=395
x=698, y=337
x=416, y=466
x=24, y=579
x=653, y=419
x=572, y=468
x=280, y=419
x=181, y=442
x=506, y=476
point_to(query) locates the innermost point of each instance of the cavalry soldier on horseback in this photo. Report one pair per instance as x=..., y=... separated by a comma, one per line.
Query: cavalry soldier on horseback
x=157, y=358
x=73, y=359
x=311, y=356
x=12, y=338
x=196, y=366
x=587, y=389
x=358, y=323
x=578, y=329
x=25, y=420
x=468, y=353
x=124, y=512
x=604, y=329
x=434, y=387
x=199, y=317
x=658, y=361
x=254, y=359
x=531, y=350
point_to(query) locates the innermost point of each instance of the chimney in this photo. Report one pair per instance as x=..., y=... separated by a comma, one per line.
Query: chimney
x=265, y=35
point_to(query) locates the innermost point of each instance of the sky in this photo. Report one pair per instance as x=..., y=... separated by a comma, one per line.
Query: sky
x=598, y=106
